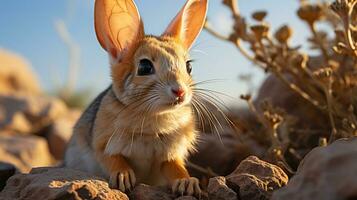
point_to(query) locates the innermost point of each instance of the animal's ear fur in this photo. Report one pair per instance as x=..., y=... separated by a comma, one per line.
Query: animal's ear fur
x=189, y=22
x=118, y=25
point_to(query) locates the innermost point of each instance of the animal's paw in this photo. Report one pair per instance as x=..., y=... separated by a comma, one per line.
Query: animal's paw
x=122, y=180
x=187, y=186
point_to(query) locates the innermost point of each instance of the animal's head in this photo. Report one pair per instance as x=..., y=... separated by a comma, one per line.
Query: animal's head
x=149, y=73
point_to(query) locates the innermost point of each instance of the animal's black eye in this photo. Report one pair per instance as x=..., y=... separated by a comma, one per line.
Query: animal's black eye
x=145, y=67
x=189, y=66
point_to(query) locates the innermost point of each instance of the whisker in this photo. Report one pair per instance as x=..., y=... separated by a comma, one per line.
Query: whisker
x=212, y=98
x=219, y=101
x=199, y=115
x=207, y=82
x=213, y=92
x=214, y=119
x=208, y=114
x=132, y=140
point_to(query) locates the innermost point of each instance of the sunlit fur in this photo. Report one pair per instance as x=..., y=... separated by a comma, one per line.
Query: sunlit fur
x=138, y=130
x=140, y=119
x=169, y=59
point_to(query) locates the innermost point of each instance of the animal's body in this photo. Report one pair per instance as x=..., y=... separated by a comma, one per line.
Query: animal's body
x=142, y=128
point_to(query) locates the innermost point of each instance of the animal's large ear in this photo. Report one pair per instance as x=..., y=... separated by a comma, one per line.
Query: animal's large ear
x=118, y=25
x=189, y=22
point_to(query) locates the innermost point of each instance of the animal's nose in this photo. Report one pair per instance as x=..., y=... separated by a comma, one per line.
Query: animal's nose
x=178, y=92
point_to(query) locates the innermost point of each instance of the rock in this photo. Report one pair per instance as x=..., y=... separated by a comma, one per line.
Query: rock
x=186, y=198
x=25, y=152
x=60, y=133
x=28, y=114
x=16, y=75
x=281, y=96
x=6, y=171
x=256, y=179
x=326, y=173
x=58, y=183
x=146, y=192
x=218, y=190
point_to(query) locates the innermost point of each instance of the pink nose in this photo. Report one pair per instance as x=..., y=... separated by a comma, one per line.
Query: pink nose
x=178, y=92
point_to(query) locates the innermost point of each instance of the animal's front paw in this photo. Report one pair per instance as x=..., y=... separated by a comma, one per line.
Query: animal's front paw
x=122, y=180
x=187, y=186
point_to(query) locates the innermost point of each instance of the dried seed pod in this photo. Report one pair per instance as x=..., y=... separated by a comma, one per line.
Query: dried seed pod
x=322, y=142
x=341, y=48
x=274, y=119
x=283, y=34
x=259, y=15
x=246, y=97
x=310, y=13
x=341, y=7
x=299, y=60
x=259, y=55
x=333, y=64
x=260, y=31
x=231, y=4
x=240, y=27
x=323, y=73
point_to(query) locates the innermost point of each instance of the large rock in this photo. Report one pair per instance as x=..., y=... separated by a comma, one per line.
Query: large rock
x=6, y=171
x=283, y=97
x=28, y=114
x=255, y=179
x=218, y=190
x=58, y=183
x=186, y=198
x=326, y=173
x=25, y=152
x=16, y=75
x=146, y=192
x=60, y=133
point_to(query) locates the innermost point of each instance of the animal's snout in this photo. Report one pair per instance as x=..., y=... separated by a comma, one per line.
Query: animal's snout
x=178, y=92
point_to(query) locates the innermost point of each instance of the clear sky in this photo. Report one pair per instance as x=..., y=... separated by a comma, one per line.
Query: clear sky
x=27, y=27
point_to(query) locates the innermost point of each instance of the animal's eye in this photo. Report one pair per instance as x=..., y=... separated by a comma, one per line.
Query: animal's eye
x=189, y=66
x=146, y=67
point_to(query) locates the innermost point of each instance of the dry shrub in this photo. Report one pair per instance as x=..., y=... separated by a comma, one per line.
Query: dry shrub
x=313, y=100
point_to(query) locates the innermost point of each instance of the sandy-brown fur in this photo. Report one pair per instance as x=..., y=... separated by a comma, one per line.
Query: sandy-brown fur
x=154, y=146
x=142, y=128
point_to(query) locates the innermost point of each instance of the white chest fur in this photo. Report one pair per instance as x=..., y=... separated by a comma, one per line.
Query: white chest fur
x=148, y=147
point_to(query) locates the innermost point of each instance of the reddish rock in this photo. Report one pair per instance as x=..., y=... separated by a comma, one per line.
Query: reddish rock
x=6, y=171
x=16, y=75
x=60, y=133
x=326, y=173
x=25, y=152
x=29, y=114
x=218, y=190
x=186, y=198
x=146, y=192
x=255, y=179
x=59, y=183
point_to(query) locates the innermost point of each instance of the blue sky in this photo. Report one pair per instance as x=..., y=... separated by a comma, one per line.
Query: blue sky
x=27, y=27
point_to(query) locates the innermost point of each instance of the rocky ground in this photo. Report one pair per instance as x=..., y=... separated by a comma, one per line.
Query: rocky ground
x=253, y=179
x=35, y=128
